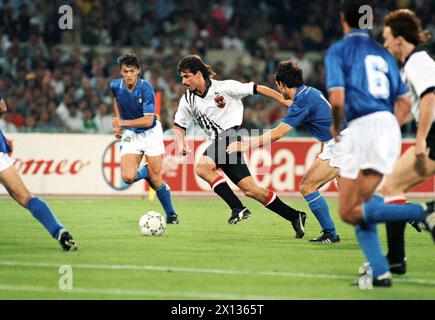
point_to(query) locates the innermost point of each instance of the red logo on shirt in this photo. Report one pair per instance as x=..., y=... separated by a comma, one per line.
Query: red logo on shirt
x=220, y=101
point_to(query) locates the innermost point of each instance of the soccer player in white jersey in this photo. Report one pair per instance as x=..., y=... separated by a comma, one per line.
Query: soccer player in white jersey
x=142, y=134
x=217, y=107
x=308, y=106
x=364, y=85
x=13, y=183
x=402, y=36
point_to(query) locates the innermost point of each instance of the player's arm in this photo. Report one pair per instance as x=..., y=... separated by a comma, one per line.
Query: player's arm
x=255, y=142
x=336, y=100
x=270, y=93
x=402, y=109
x=182, y=119
x=3, y=106
x=427, y=109
x=117, y=130
x=179, y=136
x=146, y=121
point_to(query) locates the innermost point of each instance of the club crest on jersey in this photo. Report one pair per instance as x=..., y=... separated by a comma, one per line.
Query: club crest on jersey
x=139, y=100
x=219, y=100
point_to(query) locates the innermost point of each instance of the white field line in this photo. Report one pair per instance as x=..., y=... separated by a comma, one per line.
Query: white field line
x=201, y=270
x=141, y=293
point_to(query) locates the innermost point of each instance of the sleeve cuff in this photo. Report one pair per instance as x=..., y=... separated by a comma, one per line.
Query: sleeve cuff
x=180, y=126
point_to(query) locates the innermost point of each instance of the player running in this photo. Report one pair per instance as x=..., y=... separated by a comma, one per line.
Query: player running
x=402, y=35
x=309, y=107
x=141, y=133
x=364, y=84
x=13, y=183
x=217, y=107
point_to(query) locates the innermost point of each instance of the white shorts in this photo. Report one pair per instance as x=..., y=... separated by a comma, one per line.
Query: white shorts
x=5, y=161
x=372, y=142
x=333, y=151
x=149, y=142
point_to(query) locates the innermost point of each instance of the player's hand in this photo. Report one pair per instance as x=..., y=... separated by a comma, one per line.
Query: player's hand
x=117, y=132
x=335, y=133
x=116, y=122
x=185, y=150
x=238, y=146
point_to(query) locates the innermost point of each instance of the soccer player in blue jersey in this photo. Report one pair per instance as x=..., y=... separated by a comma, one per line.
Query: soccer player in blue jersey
x=141, y=133
x=10, y=179
x=364, y=86
x=308, y=107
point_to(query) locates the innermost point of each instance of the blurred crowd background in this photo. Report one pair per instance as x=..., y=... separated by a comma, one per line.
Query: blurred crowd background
x=58, y=81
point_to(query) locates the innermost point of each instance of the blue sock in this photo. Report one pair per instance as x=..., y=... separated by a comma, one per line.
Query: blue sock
x=142, y=173
x=165, y=198
x=319, y=208
x=43, y=214
x=368, y=239
x=376, y=211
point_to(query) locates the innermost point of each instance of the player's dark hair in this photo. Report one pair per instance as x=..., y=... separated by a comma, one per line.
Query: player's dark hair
x=193, y=63
x=350, y=9
x=128, y=59
x=290, y=74
x=405, y=23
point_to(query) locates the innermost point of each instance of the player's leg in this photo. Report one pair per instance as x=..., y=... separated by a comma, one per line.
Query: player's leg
x=129, y=167
x=405, y=175
x=319, y=173
x=268, y=198
x=352, y=195
x=206, y=169
x=13, y=183
x=162, y=190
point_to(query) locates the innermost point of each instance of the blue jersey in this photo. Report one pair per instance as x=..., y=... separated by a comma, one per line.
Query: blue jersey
x=135, y=104
x=4, y=147
x=366, y=71
x=312, y=109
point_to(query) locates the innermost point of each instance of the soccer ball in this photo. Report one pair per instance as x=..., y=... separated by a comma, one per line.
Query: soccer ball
x=152, y=223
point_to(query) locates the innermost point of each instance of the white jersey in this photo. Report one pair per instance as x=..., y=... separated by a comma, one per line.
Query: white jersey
x=418, y=73
x=219, y=109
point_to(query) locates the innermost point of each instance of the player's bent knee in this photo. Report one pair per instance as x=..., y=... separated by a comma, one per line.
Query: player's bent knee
x=349, y=217
x=202, y=169
x=129, y=178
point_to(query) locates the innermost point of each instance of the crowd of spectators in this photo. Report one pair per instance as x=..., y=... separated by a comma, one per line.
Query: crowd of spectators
x=58, y=81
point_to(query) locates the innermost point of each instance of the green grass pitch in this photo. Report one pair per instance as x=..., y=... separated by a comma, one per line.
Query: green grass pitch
x=201, y=258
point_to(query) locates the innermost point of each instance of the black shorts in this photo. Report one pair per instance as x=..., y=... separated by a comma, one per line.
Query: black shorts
x=234, y=164
x=430, y=142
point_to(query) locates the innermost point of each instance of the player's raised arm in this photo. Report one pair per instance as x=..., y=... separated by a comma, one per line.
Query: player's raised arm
x=255, y=142
x=270, y=93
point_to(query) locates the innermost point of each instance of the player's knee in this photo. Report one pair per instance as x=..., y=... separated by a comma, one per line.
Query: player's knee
x=129, y=178
x=202, y=169
x=156, y=180
x=348, y=215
